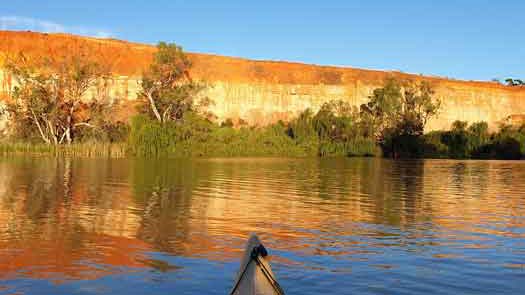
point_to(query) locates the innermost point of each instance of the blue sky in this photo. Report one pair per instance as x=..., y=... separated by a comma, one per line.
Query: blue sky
x=464, y=39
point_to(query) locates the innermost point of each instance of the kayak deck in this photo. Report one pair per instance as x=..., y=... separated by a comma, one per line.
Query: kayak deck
x=255, y=276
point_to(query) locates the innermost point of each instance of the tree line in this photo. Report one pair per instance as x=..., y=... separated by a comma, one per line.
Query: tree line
x=510, y=82
x=56, y=102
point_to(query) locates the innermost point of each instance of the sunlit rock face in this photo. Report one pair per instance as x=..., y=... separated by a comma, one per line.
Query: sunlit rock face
x=262, y=92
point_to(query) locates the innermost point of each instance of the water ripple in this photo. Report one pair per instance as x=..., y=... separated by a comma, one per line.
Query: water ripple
x=360, y=226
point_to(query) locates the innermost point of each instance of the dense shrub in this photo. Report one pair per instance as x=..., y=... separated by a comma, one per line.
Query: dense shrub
x=433, y=146
x=458, y=140
x=475, y=141
x=106, y=133
x=326, y=133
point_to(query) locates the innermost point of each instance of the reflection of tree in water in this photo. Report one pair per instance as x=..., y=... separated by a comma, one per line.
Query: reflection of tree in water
x=471, y=178
x=44, y=187
x=55, y=191
x=389, y=192
x=411, y=185
x=41, y=212
x=327, y=179
x=65, y=209
x=396, y=191
x=332, y=183
x=163, y=191
x=458, y=175
x=48, y=192
x=506, y=175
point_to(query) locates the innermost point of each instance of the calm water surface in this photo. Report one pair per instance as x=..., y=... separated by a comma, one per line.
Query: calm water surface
x=335, y=226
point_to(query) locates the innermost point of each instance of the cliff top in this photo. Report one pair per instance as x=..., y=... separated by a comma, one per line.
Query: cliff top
x=130, y=59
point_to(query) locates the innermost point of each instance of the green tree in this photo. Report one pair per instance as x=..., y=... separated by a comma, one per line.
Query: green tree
x=50, y=96
x=398, y=113
x=336, y=120
x=479, y=135
x=167, y=87
x=301, y=129
x=457, y=140
x=514, y=82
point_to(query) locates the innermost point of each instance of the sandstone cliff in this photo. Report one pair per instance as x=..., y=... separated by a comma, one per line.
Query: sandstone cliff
x=261, y=92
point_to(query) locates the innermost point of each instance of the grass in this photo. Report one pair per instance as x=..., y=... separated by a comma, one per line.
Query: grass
x=83, y=150
x=198, y=138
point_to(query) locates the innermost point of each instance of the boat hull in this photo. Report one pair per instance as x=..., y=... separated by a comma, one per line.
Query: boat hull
x=255, y=276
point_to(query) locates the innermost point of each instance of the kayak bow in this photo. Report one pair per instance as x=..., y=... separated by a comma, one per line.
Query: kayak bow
x=255, y=275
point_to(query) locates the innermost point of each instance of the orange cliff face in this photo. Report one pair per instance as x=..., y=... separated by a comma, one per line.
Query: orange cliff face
x=261, y=92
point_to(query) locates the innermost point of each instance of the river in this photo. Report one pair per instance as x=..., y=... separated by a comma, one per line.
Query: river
x=332, y=226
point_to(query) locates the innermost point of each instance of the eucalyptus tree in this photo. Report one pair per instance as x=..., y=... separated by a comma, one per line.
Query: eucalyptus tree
x=50, y=96
x=167, y=88
x=399, y=111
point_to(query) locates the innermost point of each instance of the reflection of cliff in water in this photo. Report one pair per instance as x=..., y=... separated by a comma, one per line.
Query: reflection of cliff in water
x=67, y=215
x=58, y=219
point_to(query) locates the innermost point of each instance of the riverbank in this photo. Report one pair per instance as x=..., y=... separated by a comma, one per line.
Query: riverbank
x=181, y=150
x=304, y=137
x=81, y=150
x=173, y=119
x=157, y=141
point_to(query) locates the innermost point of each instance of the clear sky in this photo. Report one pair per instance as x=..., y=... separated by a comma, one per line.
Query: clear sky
x=466, y=39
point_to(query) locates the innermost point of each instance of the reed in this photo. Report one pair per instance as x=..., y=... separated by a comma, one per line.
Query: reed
x=149, y=138
x=84, y=150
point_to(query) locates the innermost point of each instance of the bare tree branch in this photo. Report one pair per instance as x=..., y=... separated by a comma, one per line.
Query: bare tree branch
x=35, y=119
